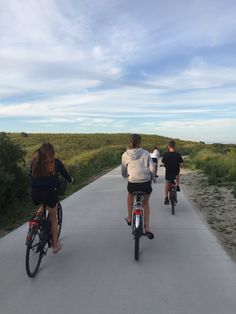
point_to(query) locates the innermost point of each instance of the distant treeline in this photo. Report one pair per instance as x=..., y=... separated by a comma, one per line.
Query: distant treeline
x=87, y=155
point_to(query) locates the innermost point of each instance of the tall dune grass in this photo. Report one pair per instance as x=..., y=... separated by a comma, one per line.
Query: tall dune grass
x=88, y=155
x=218, y=165
x=91, y=163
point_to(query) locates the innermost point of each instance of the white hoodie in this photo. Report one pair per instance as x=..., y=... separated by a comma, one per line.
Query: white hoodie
x=137, y=165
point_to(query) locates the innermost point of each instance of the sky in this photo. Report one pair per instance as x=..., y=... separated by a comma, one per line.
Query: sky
x=117, y=66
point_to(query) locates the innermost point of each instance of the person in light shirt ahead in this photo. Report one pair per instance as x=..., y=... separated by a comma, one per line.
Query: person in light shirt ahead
x=155, y=155
x=137, y=166
x=172, y=161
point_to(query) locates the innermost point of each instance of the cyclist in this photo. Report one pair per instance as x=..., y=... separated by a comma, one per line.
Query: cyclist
x=138, y=167
x=172, y=161
x=45, y=182
x=155, y=155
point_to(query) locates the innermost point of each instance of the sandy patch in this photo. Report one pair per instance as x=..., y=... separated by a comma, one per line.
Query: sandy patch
x=217, y=206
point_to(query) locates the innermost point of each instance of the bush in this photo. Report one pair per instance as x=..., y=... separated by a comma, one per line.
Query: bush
x=218, y=164
x=13, y=180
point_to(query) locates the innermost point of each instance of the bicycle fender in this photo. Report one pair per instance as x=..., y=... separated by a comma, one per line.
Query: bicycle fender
x=137, y=221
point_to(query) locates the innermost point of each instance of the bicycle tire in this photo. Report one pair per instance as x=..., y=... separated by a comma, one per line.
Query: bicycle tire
x=138, y=231
x=136, y=244
x=172, y=207
x=59, y=218
x=34, y=253
x=172, y=201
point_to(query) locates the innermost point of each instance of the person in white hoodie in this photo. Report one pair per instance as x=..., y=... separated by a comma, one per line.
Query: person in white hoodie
x=155, y=154
x=138, y=167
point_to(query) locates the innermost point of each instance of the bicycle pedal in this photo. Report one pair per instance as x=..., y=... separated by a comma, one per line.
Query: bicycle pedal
x=49, y=242
x=45, y=250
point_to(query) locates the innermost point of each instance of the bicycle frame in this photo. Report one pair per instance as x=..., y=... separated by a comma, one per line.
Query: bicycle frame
x=39, y=239
x=41, y=221
x=32, y=225
x=172, y=195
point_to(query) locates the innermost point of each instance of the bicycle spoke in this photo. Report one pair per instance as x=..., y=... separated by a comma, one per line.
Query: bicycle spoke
x=59, y=218
x=34, y=253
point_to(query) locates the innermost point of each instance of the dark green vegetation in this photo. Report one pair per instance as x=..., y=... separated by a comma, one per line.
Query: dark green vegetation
x=87, y=156
x=13, y=178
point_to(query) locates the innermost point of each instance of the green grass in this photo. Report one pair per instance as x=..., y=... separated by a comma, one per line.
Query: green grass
x=218, y=162
x=69, y=146
x=89, y=155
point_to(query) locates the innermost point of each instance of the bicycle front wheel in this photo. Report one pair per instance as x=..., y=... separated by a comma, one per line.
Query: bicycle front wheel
x=34, y=253
x=59, y=218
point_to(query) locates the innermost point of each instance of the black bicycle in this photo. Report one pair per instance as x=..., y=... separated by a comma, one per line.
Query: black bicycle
x=137, y=221
x=39, y=239
x=172, y=195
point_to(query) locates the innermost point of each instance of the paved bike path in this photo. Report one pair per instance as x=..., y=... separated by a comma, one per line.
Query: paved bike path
x=184, y=270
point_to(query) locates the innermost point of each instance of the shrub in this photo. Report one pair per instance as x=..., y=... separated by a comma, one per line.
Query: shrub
x=218, y=163
x=12, y=178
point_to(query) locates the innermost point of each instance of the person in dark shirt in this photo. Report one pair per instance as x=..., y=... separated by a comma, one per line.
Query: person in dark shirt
x=172, y=161
x=45, y=183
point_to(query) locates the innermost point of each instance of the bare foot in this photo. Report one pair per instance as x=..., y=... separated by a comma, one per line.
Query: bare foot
x=128, y=221
x=57, y=248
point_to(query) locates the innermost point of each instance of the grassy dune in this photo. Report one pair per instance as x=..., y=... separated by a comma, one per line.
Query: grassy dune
x=70, y=145
x=89, y=155
x=218, y=162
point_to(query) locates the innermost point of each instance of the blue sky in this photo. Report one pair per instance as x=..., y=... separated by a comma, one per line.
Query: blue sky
x=157, y=67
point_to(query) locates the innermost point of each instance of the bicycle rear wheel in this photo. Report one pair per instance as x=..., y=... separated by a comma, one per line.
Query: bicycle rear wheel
x=136, y=244
x=172, y=201
x=172, y=207
x=34, y=252
x=137, y=235
x=59, y=218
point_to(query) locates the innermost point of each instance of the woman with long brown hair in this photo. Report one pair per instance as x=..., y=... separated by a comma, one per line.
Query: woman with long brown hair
x=138, y=167
x=45, y=182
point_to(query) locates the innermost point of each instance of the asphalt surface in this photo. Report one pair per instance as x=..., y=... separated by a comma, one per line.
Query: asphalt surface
x=183, y=270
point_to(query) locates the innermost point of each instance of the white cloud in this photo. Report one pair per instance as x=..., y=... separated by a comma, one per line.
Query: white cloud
x=43, y=46
x=131, y=103
x=215, y=130
x=67, y=62
x=199, y=75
